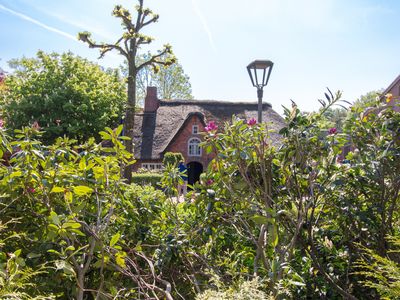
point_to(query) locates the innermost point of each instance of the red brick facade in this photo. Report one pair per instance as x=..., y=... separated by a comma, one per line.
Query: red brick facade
x=394, y=89
x=180, y=143
x=151, y=102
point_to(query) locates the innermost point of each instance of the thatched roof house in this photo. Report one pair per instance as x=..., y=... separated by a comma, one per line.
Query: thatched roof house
x=174, y=126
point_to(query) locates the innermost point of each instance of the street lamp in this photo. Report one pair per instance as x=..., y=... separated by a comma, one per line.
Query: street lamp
x=259, y=72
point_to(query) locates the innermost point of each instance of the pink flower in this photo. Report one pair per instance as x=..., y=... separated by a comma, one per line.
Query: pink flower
x=332, y=130
x=211, y=126
x=1, y=123
x=209, y=182
x=252, y=122
x=30, y=190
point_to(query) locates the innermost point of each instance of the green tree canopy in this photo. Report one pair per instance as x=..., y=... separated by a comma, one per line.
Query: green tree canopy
x=64, y=93
x=368, y=99
x=171, y=81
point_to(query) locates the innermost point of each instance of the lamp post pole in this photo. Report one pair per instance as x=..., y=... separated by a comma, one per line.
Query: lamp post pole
x=260, y=93
x=259, y=72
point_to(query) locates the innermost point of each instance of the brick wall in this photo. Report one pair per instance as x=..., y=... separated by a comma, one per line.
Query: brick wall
x=180, y=144
x=395, y=91
x=151, y=102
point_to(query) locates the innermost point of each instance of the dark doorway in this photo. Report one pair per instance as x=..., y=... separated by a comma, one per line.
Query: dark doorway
x=194, y=170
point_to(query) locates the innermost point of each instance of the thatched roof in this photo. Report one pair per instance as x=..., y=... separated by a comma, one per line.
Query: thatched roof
x=391, y=86
x=155, y=131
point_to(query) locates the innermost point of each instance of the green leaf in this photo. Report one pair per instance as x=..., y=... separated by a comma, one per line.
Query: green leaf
x=38, y=154
x=70, y=248
x=54, y=218
x=70, y=224
x=124, y=138
x=115, y=239
x=82, y=164
x=259, y=219
x=68, y=196
x=54, y=251
x=33, y=255
x=65, y=266
x=274, y=237
x=118, y=130
x=105, y=135
x=120, y=259
x=16, y=174
x=82, y=190
x=52, y=227
x=77, y=231
x=57, y=189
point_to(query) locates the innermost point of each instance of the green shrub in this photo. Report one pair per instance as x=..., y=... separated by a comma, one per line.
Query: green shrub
x=149, y=178
x=172, y=158
x=72, y=210
x=247, y=290
x=64, y=94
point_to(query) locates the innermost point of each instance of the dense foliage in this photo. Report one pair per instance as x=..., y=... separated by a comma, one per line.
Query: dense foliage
x=282, y=221
x=64, y=94
x=171, y=81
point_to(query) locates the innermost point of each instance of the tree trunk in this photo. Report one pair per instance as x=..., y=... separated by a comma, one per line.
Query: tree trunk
x=80, y=292
x=130, y=116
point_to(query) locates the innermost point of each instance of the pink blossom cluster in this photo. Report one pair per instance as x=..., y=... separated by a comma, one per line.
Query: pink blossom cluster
x=252, y=122
x=332, y=130
x=211, y=127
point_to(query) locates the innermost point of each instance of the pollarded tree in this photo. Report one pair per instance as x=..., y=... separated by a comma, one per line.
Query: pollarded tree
x=128, y=45
x=64, y=94
x=171, y=81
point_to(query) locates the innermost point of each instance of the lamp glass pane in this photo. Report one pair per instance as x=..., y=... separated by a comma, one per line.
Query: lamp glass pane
x=260, y=75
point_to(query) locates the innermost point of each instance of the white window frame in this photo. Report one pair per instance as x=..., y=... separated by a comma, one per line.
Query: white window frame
x=195, y=129
x=152, y=166
x=194, y=142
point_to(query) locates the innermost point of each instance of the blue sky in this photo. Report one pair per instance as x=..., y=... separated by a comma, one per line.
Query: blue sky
x=351, y=46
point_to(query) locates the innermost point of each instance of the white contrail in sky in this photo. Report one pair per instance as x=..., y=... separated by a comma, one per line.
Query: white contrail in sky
x=38, y=23
x=79, y=24
x=204, y=22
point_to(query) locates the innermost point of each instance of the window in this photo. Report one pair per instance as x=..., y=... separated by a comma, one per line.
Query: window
x=152, y=166
x=194, y=148
x=195, y=129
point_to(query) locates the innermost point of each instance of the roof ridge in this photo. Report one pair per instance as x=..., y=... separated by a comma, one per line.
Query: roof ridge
x=209, y=102
x=391, y=85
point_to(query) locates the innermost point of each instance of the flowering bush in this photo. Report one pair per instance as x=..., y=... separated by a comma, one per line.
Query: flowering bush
x=296, y=212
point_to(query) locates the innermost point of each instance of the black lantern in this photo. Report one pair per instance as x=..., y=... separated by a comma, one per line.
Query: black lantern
x=259, y=72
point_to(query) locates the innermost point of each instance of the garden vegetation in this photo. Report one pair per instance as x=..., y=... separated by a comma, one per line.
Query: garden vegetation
x=290, y=221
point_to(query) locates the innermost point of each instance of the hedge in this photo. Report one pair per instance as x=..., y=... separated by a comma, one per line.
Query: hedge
x=152, y=179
